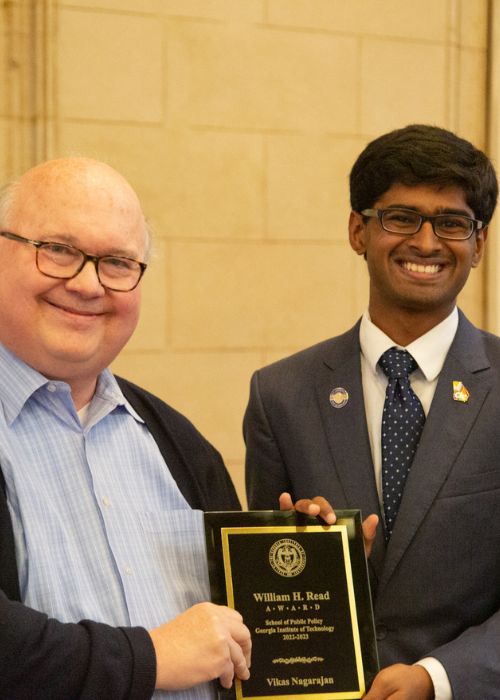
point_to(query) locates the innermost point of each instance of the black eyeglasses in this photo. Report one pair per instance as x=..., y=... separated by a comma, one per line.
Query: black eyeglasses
x=407, y=222
x=64, y=262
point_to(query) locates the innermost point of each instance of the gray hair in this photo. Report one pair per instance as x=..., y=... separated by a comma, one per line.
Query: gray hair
x=7, y=194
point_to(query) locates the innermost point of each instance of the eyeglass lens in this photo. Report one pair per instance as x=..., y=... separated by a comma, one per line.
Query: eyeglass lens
x=62, y=261
x=446, y=225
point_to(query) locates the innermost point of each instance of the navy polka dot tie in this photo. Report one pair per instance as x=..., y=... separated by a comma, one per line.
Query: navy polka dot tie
x=402, y=423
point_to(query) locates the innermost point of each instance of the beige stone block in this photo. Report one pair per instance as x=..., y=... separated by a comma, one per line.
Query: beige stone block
x=152, y=330
x=138, y=151
x=123, y=6
x=471, y=95
x=349, y=307
x=16, y=144
x=253, y=77
x=110, y=66
x=339, y=321
x=211, y=389
x=402, y=83
x=308, y=185
x=4, y=162
x=16, y=60
x=426, y=19
x=473, y=23
x=212, y=185
x=217, y=295
x=307, y=292
x=191, y=183
x=258, y=295
x=472, y=298
x=227, y=10
x=5, y=108
x=275, y=355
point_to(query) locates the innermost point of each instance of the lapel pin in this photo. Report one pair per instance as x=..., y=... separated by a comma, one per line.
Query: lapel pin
x=460, y=393
x=339, y=397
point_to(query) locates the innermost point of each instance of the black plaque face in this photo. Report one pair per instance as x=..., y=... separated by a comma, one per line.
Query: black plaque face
x=302, y=589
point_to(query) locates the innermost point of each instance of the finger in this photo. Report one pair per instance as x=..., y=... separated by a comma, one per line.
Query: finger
x=243, y=638
x=246, y=647
x=227, y=675
x=230, y=614
x=238, y=631
x=232, y=626
x=317, y=506
x=307, y=506
x=370, y=525
x=285, y=501
x=377, y=692
x=326, y=511
x=238, y=659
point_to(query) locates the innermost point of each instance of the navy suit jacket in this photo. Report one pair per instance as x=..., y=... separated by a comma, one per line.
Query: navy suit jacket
x=436, y=586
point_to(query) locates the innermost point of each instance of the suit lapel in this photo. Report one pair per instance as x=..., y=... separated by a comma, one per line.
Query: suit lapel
x=446, y=429
x=347, y=433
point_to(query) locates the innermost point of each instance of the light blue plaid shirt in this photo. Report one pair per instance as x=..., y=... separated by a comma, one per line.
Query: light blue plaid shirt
x=101, y=529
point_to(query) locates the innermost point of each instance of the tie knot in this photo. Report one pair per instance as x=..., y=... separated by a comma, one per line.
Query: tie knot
x=397, y=363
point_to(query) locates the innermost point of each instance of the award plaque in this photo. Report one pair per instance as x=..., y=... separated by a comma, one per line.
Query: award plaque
x=302, y=588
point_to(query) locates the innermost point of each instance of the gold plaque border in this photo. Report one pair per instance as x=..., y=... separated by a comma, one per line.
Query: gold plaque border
x=293, y=529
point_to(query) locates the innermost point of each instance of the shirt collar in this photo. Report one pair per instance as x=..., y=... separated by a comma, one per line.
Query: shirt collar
x=19, y=381
x=108, y=390
x=429, y=350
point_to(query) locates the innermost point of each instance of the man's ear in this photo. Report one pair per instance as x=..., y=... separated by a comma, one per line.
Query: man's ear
x=481, y=237
x=357, y=233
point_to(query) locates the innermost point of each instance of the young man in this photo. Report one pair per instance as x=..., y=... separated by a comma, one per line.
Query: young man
x=409, y=437
x=101, y=484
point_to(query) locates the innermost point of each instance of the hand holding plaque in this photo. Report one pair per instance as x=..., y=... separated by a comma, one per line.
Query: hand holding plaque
x=302, y=589
x=321, y=508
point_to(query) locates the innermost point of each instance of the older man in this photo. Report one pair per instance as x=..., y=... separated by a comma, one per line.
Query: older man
x=103, y=484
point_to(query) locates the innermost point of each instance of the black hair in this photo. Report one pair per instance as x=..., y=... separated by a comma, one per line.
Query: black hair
x=421, y=154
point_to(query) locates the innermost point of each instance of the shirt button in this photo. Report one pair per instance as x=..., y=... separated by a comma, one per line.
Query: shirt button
x=381, y=632
x=106, y=502
x=51, y=387
x=127, y=570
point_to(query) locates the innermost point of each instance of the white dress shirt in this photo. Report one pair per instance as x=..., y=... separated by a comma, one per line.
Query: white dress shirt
x=429, y=351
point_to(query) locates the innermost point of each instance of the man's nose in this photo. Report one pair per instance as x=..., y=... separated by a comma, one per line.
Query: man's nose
x=425, y=239
x=87, y=280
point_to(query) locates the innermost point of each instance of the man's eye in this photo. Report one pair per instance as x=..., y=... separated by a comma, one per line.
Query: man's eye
x=59, y=250
x=401, y=217
x=453, y=222
x=118, y=263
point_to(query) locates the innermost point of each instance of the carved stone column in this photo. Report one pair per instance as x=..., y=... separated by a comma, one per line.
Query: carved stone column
x=27, y=80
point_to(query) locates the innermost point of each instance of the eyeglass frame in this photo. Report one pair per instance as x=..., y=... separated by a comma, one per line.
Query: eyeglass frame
x=95, y=259
x=379, y=213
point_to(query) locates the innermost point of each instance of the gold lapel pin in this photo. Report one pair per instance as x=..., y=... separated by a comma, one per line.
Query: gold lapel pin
x=339, y=397
x=460, y=392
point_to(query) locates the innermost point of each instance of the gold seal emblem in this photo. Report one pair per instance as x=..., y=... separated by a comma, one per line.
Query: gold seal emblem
x=287, y=557
x=339, y=397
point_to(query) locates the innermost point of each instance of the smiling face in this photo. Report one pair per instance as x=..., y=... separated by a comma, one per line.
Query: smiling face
x=69, y=329
x=415, y=280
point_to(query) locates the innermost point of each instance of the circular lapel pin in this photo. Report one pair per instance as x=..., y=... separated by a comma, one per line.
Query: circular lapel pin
x=339, y=397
